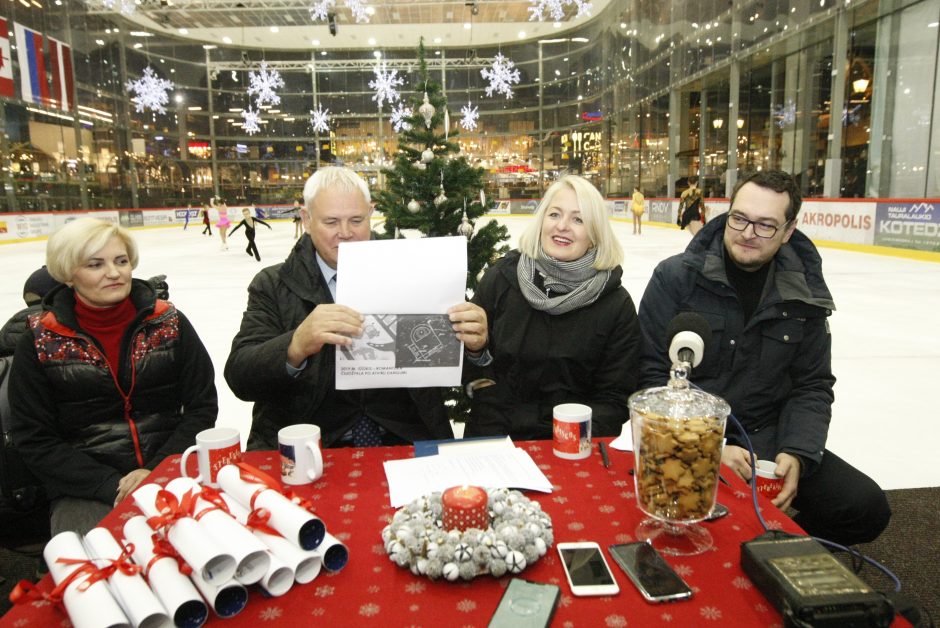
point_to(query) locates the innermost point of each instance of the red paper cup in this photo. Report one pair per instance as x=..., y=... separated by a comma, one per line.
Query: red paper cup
x=768, y=484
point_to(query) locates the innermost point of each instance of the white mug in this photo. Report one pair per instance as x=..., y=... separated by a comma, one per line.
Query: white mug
x=571, y=431
x=301, y=460
x=214, y=448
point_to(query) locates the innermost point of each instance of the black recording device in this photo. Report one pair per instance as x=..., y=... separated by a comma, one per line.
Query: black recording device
x=809, y=586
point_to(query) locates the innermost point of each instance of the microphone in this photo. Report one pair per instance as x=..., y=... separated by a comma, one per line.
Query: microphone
x=688, y=333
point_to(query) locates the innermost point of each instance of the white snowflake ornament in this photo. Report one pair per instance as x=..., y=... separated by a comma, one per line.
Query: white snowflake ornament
x=251, y=121
x=263, y=83
x=555, y=9
x=320, y=119
x=150, y=91
x=469, y=117
x=502, y=76
x=399, y=117
x=385, y=85
x=320, y=10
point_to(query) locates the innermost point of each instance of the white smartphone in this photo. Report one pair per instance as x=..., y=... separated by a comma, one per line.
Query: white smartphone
x=586, y=569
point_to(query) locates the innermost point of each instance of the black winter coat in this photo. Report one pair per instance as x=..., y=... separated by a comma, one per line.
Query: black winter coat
x=71, y=422
x=279, y=298
x=540, y=360
x=774, y=369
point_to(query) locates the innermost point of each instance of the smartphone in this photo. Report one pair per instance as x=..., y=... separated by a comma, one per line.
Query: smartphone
x=526, y=605
x=586, y=569
x=649, y=571
x=719, y=511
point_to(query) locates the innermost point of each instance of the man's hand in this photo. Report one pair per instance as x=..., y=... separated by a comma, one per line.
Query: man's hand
x=738, y=460
x=469, y=321
x=129, y=482
x=327, y=324
x=788, y=468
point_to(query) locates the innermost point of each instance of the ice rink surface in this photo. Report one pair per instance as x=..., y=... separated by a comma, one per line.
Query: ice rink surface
x=886, y=348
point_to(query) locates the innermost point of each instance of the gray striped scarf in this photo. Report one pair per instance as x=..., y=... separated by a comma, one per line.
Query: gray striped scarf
x=568, y=286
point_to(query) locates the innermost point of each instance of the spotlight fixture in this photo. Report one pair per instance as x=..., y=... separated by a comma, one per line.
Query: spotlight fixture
x=331, y=18
x=474, y=9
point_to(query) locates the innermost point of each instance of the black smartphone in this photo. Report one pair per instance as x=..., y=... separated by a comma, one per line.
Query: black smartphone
x=650, y=572
x=526, y=605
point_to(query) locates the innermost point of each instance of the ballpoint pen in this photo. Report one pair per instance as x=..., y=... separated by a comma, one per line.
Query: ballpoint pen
x=604, y=457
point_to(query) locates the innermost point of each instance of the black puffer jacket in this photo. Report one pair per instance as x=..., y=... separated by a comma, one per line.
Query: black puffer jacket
x=279, y=298
x=774, y=369
x=72, y=423
x=588, y=356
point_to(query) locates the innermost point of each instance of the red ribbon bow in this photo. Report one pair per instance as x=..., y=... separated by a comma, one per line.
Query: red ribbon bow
x=249, y=473
x=214, y=497
x=163, y=549
x=171, y=509
x=258, y=520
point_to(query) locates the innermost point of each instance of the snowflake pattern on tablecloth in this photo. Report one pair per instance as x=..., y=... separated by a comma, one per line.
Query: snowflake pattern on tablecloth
x=270, y=613
x=386, y=85
x=343, y=536
x=565, y=601
x=582, y=474
x=741, y=582
x=350, y=496
x=379, y=549
x=502, y=75
x=374, y=588
x=369, y=610
x=575, y=526
x=606, y=509
x=263, y=83
x=542, y=10
x=355, y=473
x=621, y=483
x=318, y=612
x=415, y=587
x=560, y=499
x=320, y=119
x=710, y=612
x=414, y=608
x=469, y=116
x=347, y=507
x=466, y=605
x=358, y=454
x=150, y=91
x=324, y=591
x=615, y=621
x=684, y=570
x=623, y=538
x=399, y=118
x=666, y=618
x=20, y=622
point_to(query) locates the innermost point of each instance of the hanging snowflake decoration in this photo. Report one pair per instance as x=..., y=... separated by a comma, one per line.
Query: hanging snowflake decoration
x=785, y=114
x=469, y=117
x=320, y=119
x=150, y=91
x=263, y=83
x=252, y=121
x=320, y=10
x=127, y=7
x=385, y=84
x=501, y=76
x=556, y=9
x=399, y=118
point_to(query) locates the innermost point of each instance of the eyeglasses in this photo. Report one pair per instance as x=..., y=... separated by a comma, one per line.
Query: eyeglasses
x=761, y=229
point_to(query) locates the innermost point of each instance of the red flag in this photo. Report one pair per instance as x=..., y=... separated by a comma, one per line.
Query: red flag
x=6, y=62
x=63, y=78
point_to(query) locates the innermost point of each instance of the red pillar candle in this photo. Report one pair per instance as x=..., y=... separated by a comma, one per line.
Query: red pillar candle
x=465, y=507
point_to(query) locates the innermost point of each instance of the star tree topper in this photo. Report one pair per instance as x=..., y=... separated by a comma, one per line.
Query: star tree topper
x=320, y=119
x=501, y=76
x=150, y=91
x=469, y=118
x=385, y=84
x=263, y=83
x=556, y=9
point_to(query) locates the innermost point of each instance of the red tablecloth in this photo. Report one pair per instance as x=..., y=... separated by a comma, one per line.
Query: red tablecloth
x=590, y=503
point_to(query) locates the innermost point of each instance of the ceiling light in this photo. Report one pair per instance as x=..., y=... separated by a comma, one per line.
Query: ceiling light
x=315, y=42
x=372, y=41
x=275, y=29
x=226, y=40
x=377, y=54
x=521, y=35
x=184, y=31
x=467, y=26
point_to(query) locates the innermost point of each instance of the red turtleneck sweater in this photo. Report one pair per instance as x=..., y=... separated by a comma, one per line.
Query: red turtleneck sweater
x=107, y=325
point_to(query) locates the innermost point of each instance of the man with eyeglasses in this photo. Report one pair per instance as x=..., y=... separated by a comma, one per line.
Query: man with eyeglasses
x=758, y=283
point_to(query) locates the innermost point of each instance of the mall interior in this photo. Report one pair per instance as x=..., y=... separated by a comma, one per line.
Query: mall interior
x=842, y=93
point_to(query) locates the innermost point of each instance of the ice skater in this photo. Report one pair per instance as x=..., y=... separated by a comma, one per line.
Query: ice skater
x=223, y=224
x=249, y=223
x=298, y=226
x=206, y=221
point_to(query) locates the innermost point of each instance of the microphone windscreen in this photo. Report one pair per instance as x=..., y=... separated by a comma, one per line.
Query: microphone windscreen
x=689, y=321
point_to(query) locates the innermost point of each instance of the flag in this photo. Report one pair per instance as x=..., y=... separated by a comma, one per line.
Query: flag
x=34, y=82
x=63, y=78
x=6, y=62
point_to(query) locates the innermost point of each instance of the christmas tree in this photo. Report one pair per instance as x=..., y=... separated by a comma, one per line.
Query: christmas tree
x=432, y=188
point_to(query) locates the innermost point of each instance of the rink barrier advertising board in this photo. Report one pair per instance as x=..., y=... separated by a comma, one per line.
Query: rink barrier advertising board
x=908, y=225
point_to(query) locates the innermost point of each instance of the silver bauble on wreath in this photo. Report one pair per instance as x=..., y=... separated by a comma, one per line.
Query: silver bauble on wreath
x=427, y=111
x=427, y=156
x=414, y=206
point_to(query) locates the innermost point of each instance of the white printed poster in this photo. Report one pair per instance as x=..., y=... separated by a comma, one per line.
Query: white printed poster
x=403, y=289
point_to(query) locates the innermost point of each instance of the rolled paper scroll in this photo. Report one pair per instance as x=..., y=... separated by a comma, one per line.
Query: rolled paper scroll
x=251, y=555
x=335, y=555
x=87, y=599
x=128, y=588
x=227, y=599
x=163, y=571
x=305, y=564
x=292, y=521
x=184, y=533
